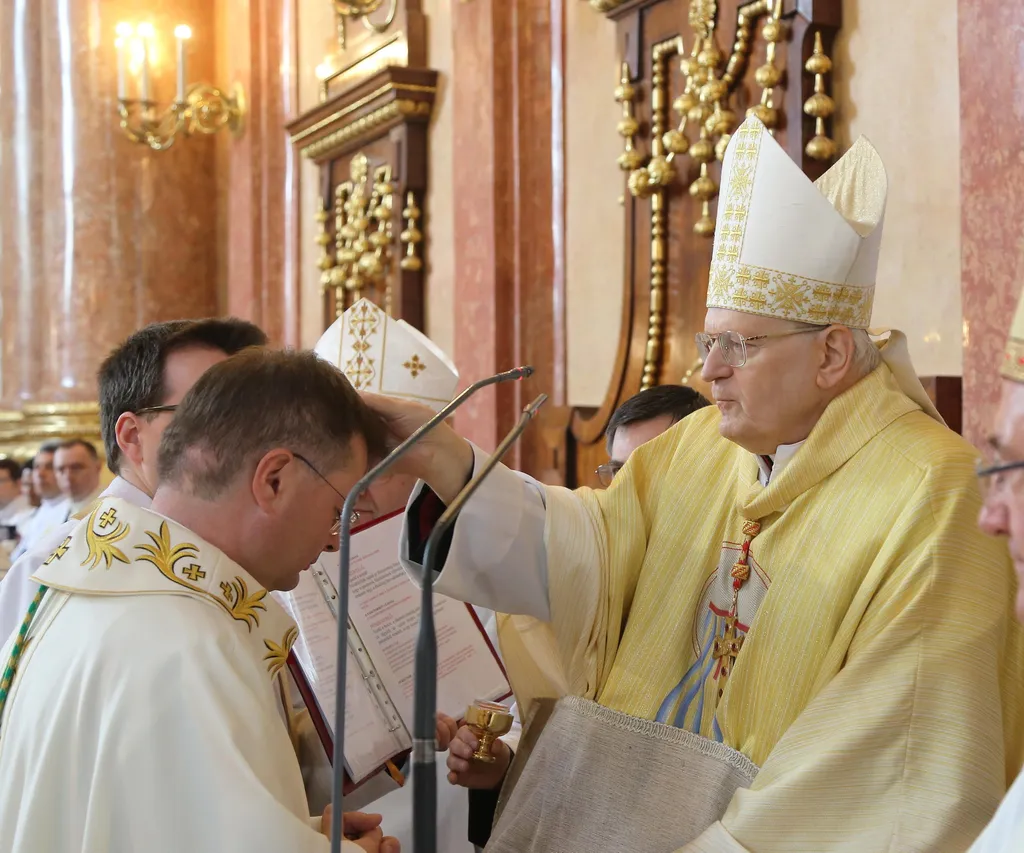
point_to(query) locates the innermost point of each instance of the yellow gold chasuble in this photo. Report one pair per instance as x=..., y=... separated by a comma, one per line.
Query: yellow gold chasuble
x=878, y=675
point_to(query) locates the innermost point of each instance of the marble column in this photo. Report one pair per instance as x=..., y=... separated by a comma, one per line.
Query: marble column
x=260, y=180
x=992, y=195
x=507, y=92
x=99, y=235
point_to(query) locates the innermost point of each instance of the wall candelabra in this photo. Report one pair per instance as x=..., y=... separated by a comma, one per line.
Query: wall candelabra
x=197, y=108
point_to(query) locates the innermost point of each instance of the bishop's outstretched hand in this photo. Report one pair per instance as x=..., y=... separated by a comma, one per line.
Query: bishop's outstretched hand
x=443, y=460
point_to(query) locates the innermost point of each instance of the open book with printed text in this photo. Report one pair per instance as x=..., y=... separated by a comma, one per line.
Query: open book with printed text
x=383, y=625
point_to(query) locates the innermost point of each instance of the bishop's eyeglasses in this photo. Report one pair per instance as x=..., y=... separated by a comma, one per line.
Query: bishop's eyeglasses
x=733, y=345
x=606, y=473
x=996, y=477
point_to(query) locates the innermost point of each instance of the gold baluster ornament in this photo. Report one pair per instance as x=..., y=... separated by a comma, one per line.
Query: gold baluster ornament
x=820, y=106
x=625, y=92
x=323, y=240
x=411, y=237
x=769, y=75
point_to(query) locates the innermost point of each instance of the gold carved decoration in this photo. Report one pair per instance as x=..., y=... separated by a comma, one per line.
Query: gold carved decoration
x=365, y=127
x=323, y=240
x=820, y=106
x=606, y=5
x=360, y=10
x=411, y=237
x=630, y=159
x=363, y=233
x=21, y=432
x=703, y=107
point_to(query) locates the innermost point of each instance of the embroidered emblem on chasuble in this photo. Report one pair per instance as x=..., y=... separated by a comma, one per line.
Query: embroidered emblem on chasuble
x=717, y=639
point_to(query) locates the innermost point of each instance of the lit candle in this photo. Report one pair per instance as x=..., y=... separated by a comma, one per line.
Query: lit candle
x=119, y=44
x=124, y=32
x=182, y=34
x=145, y=33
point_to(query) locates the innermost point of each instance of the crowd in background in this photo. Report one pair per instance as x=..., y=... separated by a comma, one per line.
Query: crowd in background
x=40, y=494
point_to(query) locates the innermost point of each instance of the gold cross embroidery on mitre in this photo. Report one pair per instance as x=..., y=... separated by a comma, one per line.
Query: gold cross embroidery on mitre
x=415, y=366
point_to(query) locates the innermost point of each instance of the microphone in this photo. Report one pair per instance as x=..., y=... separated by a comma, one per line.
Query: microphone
x=345, y=549
x=424, y=774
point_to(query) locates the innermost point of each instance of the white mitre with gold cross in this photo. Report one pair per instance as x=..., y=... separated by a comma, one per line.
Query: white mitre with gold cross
x=789, y=248
x=386, y=356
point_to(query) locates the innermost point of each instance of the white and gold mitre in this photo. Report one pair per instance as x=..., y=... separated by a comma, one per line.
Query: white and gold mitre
x=1013, y=360
x=789, y=248
x=386, y=356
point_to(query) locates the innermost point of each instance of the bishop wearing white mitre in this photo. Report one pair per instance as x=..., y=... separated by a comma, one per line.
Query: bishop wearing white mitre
x=779, y=629
x=383, y=355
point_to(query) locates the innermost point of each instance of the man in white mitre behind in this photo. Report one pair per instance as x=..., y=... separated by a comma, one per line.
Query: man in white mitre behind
x=1002, y=476
x=138, y=704
x=380, y=354
x=779, y=629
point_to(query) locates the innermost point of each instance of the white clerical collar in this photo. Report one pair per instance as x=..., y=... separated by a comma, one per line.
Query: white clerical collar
x=78, y=506
x=773, y=465
x=121, y=488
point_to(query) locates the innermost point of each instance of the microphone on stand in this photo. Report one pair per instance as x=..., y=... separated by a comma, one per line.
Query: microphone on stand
x=424, y=774
x=345, y=548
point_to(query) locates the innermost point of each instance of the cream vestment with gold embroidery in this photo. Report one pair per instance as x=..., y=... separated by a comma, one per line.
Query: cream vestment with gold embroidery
x=144, y=713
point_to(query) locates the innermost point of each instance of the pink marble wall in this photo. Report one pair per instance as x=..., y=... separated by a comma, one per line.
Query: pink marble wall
x=992, y=194
x=99, y=235
x=259, y=178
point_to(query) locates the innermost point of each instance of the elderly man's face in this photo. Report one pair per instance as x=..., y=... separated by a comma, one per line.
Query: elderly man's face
x=773, y=398
x=1003, y=512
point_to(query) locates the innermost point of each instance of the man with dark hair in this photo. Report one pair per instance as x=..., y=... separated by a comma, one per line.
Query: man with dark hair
x=77, y=467
x=15, y=509
x=152, y=370
x=642, y=417
x=165, y=732
x=140, y=384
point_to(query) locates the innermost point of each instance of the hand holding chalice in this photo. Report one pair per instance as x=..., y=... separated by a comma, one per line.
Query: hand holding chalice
x=487, y=720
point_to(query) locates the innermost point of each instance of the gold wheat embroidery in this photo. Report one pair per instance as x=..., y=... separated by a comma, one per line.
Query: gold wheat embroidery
x=237, y=600
x=277, y=655
x=243, y=606
x=101, y=545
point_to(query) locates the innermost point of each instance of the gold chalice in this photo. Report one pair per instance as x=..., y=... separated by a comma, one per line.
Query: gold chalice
x=487, y=720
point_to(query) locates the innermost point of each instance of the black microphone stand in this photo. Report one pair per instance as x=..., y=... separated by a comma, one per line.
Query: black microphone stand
x=424, y=773
x=345, y=549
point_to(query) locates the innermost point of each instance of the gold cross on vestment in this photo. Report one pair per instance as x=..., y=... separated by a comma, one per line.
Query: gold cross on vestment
x=727, y=647
x=62, y=549
x=108, y=518
x=193, y=572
